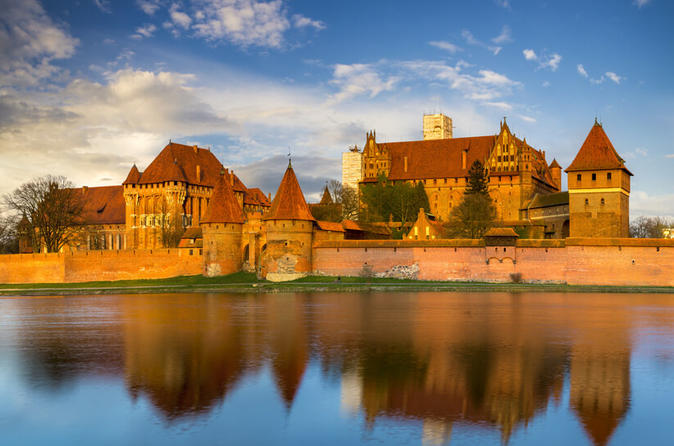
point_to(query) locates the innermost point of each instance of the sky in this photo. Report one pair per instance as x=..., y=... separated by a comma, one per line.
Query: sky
x=90, y=87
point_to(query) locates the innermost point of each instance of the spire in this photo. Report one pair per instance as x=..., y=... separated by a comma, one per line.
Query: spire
x=554, y=164
x=327, y=198
x=597, y=152
x=289, y=203
x=223, y=206
x=133, y=177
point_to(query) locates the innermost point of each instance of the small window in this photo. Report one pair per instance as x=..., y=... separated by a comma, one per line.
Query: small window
x=578, y=177
x=608, y=176
x=602, y=202
x=587, y=202
x=594, y=177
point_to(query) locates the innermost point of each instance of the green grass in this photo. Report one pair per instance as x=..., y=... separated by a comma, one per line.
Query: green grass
x=180, y=281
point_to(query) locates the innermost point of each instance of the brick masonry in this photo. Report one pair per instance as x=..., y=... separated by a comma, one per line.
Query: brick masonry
x=576, y=261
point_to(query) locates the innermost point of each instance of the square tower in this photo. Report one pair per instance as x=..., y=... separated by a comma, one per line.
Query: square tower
x=599, y=189
x=437, y=126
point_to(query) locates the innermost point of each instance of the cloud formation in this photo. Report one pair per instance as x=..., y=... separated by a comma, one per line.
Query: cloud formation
x=144, y=31
x=471, y=40
x=608, y=75
x=551, y=61
x=149, y=7
x=504, y=37
x=447, y=46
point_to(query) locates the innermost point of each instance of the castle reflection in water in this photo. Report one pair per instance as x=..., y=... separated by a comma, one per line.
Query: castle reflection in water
x=496, y=361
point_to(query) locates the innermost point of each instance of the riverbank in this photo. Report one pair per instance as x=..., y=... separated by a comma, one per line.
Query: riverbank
x=248, y=282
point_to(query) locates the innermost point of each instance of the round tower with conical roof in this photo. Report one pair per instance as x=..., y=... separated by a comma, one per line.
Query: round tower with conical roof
x=289, y=226
x=222, y=227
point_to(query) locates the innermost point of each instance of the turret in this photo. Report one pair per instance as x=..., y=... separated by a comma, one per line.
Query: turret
x=599, y=189
x=289, y=226
x=222, y=228
x=556, y=173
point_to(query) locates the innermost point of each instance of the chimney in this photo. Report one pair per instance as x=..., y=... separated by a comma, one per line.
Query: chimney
x=196, y=149
x=405, y=161
x=198, y=172
x=231, y=177
x=85, y=189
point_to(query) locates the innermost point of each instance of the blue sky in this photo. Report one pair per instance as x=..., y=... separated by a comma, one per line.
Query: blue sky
x=89, y=87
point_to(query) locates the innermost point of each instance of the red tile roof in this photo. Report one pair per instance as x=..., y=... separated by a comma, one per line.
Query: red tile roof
x=178, y=162
x=326, y=198
x=289, y=203
x=223, y=206
x=133, y=177
x=554, y=163
x=439, y=158
x=103, y=205
x=258, y=195
x=597, y=153
x=330, y=226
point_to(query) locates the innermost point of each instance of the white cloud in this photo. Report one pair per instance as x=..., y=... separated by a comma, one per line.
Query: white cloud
x=503, y=3
x=149, y=7
x=501, y=105
x=527, y=118
x=644, y=204
x=300, y=21
x=471, y=40
x=641, y=3
x=669, y=155
x=546, y=84
x=614, y=77
x=30, y=41
x=447, y=46
x=360, y=79
x=504, y=37
x=179, y=18
x=103, y=5
x=551, y=62
x=641, y=151
x=529, y=54
x=144, y=31
x=581, y=70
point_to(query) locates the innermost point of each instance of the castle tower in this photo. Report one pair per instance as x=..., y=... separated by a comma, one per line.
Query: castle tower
x=222, y=230
x=599, y=189
x=352, y=167
x=556, y=172
x=437, y=126
x=131, y=202
x=289, y=226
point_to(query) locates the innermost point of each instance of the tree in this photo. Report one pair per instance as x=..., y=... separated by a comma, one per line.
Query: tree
x=170, y=223
x=649, y=227
x=401, y=201
x=52, y=207
x=476, y=213
x=9, y=239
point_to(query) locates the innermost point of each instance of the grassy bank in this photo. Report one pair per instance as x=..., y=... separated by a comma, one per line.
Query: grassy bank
x=248, y=282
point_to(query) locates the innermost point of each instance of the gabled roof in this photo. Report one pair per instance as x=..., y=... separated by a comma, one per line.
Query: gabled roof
x=223, y=206
x=549, y=200
x=103, y=205
x=554, y=164
x=597, y=153
x=289, y=203
x=437, y=158
x=178, y=162
x=133, y=177
x=330, y=226
x=258, y=195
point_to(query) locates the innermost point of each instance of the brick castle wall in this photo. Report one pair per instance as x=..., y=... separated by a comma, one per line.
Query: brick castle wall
x=99, y=265
x=576, y=261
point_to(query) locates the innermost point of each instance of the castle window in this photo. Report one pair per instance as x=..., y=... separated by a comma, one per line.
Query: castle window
x=587, y=202
x=578, y=177
x=608, y=176
x=602, y=202
x=594, y=177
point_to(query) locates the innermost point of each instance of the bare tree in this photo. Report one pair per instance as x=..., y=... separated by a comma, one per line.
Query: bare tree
x=346, y=198
x=170, y=223
x=52, y=207
x=649, y=227
x=9, y=240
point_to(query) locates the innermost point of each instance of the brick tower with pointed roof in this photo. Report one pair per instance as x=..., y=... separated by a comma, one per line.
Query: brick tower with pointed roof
x=599, y=189
x=222, y=226
x=289, y=225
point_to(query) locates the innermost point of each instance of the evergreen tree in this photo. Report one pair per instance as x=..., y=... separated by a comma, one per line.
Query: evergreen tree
x=476, y=213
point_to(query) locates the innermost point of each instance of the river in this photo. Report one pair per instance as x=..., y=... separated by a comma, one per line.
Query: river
x=338, y=369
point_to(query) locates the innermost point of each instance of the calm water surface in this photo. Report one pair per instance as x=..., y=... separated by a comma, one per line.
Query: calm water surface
x=338, y=369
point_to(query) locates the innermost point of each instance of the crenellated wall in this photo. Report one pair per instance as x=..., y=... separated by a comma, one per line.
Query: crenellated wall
x=99, y=265
x=574, y=261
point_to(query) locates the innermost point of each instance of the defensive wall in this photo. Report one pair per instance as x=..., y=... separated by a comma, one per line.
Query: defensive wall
x=88, y=266
x=575, y=261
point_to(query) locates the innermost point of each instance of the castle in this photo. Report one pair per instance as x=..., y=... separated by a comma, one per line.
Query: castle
x=187, y=198
x=525, y=189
